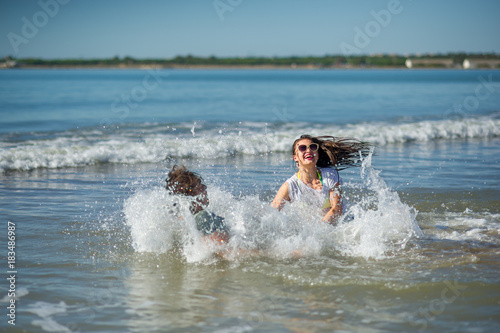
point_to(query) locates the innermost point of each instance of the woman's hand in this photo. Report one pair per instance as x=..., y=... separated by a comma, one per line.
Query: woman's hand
x=281, y=197
x=336, y=206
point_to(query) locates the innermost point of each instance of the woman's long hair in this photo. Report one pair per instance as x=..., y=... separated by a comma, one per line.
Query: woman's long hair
x=182, y=181
x=340, y=153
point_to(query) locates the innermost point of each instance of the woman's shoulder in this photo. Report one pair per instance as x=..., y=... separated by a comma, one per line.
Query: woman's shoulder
x=292, y=179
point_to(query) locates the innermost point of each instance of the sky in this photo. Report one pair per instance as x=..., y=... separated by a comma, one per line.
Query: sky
x=149, y=29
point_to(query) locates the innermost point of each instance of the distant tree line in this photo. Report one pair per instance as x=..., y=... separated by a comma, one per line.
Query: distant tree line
x=327, y=61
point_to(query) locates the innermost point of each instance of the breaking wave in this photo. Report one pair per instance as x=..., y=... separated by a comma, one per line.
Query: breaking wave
x=143, y=143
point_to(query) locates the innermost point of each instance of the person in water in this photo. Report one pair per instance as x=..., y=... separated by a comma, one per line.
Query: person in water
x=181, y=181
x=318, y=182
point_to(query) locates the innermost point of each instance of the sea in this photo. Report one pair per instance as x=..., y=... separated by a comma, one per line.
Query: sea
x=90, y=242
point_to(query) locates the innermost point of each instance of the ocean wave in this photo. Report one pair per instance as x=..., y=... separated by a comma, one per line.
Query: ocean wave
x=143, y=143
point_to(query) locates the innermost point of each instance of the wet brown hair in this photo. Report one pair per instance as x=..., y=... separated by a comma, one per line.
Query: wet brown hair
x=339, y=153
x=182, y=181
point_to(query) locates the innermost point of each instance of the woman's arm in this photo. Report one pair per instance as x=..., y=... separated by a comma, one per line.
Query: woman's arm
x=336, y=205
x=281, y=197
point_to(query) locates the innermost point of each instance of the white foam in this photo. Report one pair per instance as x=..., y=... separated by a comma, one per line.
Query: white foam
x=156, y=142
x=50, y=325
x=20, y=292
x=45, y=311
x=469, y=226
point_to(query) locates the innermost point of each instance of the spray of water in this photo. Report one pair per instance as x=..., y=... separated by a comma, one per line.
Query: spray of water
x=376, y=224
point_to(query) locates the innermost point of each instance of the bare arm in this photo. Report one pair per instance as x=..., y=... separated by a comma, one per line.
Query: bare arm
x=281, y=197
x=336, y=205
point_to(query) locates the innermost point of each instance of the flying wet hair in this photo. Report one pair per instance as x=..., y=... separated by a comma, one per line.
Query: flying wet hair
x=182, y=181
x=339, y=153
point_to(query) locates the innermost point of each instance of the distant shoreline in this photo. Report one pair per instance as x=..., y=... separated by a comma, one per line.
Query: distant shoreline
x=215, y=67
x=262, y=67
x=329, y=62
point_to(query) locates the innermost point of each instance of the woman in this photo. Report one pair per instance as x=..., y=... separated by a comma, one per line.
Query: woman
x=184, y=182
x=318, y=182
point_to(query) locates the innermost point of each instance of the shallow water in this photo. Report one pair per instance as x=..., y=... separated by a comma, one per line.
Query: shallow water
x=98, y=251
x=87, y=270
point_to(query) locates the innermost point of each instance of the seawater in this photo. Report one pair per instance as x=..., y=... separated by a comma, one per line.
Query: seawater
x=84, y=155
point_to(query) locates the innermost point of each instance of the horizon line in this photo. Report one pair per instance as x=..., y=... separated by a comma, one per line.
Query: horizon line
x=405, y=55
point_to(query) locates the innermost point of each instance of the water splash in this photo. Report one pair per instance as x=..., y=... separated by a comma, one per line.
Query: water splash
x=379, y=223
x=193, y=129
x=376, y=224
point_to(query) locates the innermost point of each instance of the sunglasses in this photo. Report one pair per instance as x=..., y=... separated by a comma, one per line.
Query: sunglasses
x=312, y=147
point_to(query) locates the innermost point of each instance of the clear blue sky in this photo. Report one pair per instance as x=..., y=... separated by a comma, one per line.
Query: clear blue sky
x=165, y=29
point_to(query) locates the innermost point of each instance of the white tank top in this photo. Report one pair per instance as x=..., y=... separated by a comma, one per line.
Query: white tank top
x=297, y=190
